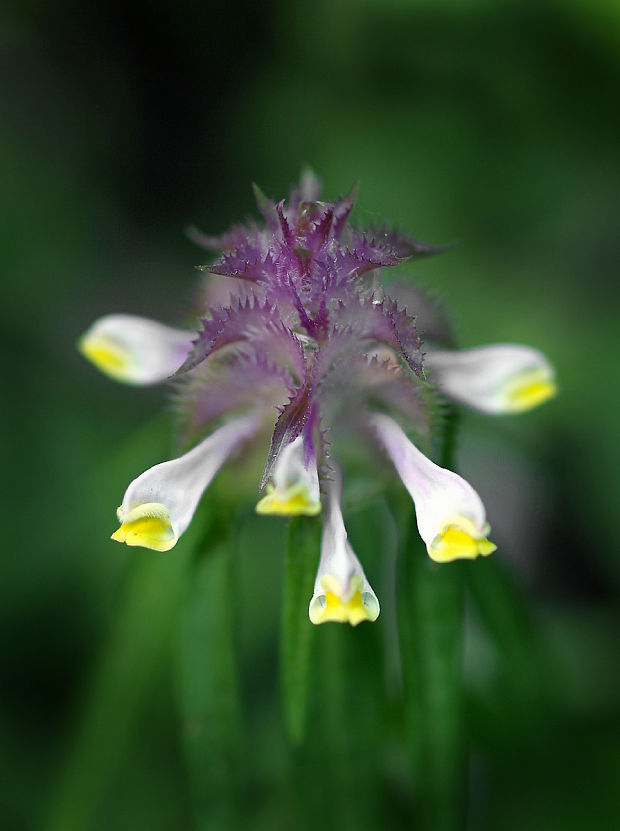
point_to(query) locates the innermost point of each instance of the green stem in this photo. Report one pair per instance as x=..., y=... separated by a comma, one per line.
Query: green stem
x=302, y=550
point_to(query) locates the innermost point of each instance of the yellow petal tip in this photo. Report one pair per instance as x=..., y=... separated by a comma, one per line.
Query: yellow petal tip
x=147, y=532
x=107, y=355
x=335, y=606
x=455, y=544
x=529, y=390
x=293, y=501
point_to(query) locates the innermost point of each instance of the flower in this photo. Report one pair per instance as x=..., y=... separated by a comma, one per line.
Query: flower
x=496, y=379
x=159, y=505
x=450, y=514
x=135, y=350
x=308, y=341
x=342, y=594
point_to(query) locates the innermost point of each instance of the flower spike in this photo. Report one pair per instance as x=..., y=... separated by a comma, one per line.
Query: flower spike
x=307, y=337
x=135, y=350
x=295, y=489
x=450, y=514
x=342, y=594
x=159, y=505
x=497, y=379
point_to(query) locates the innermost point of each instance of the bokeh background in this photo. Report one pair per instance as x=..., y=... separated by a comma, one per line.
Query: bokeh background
x=494, y=125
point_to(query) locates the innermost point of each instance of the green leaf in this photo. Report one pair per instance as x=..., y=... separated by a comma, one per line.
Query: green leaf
x=138, y=647
x=302, y=551
x=431, y=632
x=437, y=615
x=507, y=620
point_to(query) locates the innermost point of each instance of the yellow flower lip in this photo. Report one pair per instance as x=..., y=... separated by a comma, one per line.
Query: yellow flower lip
x=460, y=540
x=295, y=500
x=147, y=526
x=107, y=354
x=528, y=390
x=294, y=487
x=352, y=606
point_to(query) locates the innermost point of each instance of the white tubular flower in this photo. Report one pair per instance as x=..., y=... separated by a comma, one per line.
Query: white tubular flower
x=159, y=505
x=135, y=350
x=450, y=514
x=295, y=488
x=342, y=594
x=496, y=379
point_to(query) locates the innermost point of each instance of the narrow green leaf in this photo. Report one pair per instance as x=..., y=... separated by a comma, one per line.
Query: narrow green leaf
x=506, y=619
x=431, y=633
x=137, y=648
x=437, y=616
x=138, y=645
x=302, y=550
x=209, y=695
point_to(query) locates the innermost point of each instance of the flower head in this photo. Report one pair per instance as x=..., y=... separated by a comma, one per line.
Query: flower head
x=308, y=338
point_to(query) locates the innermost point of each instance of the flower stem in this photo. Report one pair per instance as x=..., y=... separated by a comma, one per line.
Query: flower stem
x=302, y=547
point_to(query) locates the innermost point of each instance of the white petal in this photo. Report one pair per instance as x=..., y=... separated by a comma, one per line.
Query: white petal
x=501, y=378
x=342, y=593
x=295, y=489
x=135, y=350
x=159, y=505
x=450, y=514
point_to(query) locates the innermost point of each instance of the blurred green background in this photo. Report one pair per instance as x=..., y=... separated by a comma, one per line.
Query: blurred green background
x=492, y=124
